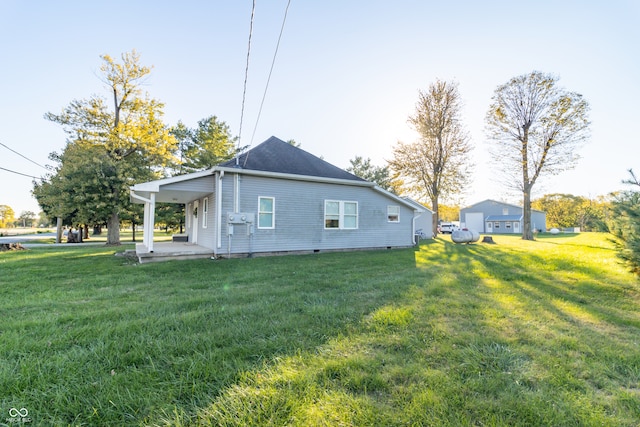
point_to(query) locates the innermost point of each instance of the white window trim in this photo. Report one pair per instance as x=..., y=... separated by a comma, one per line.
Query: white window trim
x=272, y=212
x=205, y=212
x=396, y=213
x=341, y=215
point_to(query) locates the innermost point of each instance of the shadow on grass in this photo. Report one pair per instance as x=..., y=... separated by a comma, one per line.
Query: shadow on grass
x=479, y=335
x=442, y=334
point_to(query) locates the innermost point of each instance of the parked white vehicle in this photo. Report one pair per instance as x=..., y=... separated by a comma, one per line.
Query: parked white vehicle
x=448, y=228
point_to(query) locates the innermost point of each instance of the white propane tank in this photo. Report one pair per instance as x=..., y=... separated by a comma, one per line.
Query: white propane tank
x=461, y=236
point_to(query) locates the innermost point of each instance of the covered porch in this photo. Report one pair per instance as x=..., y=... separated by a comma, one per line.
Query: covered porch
x=167, y=251
x=182, y=189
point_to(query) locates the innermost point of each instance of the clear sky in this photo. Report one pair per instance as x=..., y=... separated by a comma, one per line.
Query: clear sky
x=345, y=80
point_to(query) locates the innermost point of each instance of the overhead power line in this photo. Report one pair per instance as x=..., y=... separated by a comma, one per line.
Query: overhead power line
x=23, y=156
x=246, y=75
x=284, y=20
x=23, y=174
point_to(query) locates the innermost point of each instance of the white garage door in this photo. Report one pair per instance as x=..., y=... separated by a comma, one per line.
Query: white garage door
x=474, y=221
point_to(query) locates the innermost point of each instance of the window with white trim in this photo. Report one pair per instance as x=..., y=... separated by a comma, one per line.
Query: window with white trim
x=205, y=212
x=342, y=215
x=393, y=213
x=266, y=212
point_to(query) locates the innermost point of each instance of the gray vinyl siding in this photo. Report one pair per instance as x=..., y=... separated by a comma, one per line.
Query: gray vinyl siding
x=299, y=217
x=203, y=184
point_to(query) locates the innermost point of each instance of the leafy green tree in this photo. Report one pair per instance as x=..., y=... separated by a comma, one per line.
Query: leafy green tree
x=7, y=216
x=26, y=219
x=625, y=224
x=566, y=210
x=117, y=146
x=437, y=166
x=562, y=209
x=170, y=216
x=536, y=127
x=449, y=212
x=204, y=147
x=364, y=169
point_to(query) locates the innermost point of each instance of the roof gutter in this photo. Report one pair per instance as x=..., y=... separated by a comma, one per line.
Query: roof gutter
x=295, y=177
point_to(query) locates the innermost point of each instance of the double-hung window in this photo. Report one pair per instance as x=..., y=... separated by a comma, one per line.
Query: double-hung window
x=266, y=212
x=393, y=213
x=340, y=214
x=205, y=212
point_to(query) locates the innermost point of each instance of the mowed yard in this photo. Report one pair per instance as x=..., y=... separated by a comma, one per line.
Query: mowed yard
x=514, y=334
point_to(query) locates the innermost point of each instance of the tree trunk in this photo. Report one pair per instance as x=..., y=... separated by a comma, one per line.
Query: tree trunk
x=113, y=229
x=527, y=233
x=436, y=216
x=59, y=230
x=133, y=230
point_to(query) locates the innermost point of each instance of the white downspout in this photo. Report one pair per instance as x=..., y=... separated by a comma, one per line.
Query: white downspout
x=236, y=196
x=219, y=208
x=416, y=240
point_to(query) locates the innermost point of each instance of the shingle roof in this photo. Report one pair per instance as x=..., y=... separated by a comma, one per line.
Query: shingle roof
x=275, y=155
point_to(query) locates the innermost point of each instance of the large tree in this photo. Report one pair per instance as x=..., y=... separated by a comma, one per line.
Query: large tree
x=536, y=127
x=125, y=143
x=204, y=147
x=364, y=169
x=436, y=166
x=7, y=216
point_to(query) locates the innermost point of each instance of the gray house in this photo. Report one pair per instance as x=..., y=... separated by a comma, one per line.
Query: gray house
x=276, y=198
x=490, y=216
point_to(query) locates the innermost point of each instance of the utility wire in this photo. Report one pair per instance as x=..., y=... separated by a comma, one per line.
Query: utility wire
x=24, y=157
x=246, y=75
x=284, y=20
x=23, y=174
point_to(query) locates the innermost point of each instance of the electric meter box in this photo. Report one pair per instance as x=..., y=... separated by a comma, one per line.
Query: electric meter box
x=240, y=218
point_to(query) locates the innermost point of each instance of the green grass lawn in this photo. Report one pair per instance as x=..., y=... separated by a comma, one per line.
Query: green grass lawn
x=515, y=334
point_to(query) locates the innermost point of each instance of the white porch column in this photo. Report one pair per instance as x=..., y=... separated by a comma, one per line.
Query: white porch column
x=150, y=221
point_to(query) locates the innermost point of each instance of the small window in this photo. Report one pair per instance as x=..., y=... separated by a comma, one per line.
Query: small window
x=205, y=212
x=507, y=224
x=340, y=215
x=496, y=224
x=393, y=213
x=505, y=211
x=266, y=212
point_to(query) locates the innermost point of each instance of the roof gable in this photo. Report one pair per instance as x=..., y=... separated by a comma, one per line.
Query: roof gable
x=275, y=155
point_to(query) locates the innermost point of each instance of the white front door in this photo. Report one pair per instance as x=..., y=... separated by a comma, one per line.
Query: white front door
x=194, y=223
x=516, y=226
x=489, y=227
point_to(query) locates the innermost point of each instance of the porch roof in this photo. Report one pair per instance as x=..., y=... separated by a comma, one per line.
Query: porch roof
x=164, y=194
